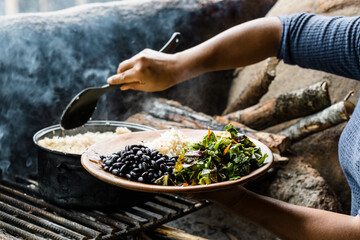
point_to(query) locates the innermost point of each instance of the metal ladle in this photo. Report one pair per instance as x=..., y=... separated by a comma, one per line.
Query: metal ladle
x=82, y=106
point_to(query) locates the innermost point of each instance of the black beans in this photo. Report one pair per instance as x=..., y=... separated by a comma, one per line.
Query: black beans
x=159, y=161
x=118, y=165
x=139, y=163
x=162, y=167
x=144, y=175
x=115, y=171
x=170, y=163
x=150, y=175
x=134, y=174
x=145, y=166
x=122, y=169
x=108, y=162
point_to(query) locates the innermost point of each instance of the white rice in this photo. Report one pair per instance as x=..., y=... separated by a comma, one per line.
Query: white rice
x=170, y=143
x=78, y=143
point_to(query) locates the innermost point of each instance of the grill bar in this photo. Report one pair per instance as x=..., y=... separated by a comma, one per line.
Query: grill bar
x=39, y=221
x=68, y=214
x=187, y=202
x=19, y=232
x=154, y=209
x=29, y=226
x=57, y=219
x=169, y=204
x=126, y=219
x=102, y=217
x=47, y=221
x=147, y=217
x=24, y=185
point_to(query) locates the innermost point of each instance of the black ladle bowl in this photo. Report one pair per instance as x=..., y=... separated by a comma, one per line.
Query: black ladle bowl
x=82, y=106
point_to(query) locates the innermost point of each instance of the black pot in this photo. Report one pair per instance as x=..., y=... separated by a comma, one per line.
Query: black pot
x=64, y=182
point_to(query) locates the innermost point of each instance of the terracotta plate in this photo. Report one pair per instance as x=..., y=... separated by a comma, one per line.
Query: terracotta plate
x=92, y=163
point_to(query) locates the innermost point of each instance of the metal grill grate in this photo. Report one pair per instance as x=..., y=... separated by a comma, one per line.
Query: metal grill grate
x=24, y=214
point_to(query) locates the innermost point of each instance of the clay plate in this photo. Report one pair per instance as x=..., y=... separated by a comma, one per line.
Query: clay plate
x=92, y=163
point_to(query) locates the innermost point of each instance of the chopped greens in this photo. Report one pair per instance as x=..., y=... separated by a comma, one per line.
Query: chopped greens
x=217, y=158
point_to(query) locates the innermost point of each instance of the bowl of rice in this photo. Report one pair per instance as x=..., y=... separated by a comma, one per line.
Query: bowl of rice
x=61, y=177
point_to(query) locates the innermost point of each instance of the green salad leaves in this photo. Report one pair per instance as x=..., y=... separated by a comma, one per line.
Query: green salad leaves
x=217, y=158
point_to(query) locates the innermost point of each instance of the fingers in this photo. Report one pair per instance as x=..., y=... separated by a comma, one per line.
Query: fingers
x=129, y=70
x=117, y=79
x=125, y=65
x=128, y=81
x=136, y=86
x=129, y=76
x=130, y=86
x=141, y=72
x=130, y=63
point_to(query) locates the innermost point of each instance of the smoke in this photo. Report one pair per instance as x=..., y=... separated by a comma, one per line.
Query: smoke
x=4, y=164
x=47, y=58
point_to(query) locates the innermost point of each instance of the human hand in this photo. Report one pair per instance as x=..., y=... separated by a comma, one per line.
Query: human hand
x=148, y=71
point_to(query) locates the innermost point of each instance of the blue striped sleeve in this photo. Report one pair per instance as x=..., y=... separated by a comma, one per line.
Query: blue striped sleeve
x=329, y=44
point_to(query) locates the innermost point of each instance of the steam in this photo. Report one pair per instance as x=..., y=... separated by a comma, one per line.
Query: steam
x=5, y=163
x=47, y=58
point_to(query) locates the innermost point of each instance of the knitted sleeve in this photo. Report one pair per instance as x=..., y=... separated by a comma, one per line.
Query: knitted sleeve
x=329, y=44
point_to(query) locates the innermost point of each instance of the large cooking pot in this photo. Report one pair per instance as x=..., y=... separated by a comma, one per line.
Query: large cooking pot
x=64, y=182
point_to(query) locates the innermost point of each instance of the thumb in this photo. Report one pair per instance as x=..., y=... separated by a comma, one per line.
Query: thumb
x=115, y=79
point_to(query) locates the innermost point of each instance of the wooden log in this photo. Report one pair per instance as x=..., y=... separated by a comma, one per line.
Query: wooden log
x=164, y=114
x=157, y=123
x=330, y=116
x=173, y=111
x=175, y=234
x=256, y=88
x=285, y=107
x=280, y=160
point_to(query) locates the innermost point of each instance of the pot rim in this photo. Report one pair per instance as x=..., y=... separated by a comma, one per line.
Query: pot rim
x=57, y=127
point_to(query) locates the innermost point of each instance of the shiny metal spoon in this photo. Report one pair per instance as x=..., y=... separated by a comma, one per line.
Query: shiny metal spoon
x=82, y=106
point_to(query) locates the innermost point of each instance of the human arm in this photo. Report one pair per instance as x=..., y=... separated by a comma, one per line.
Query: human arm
x=241, y=45
x=285, y=220
x=329, y=44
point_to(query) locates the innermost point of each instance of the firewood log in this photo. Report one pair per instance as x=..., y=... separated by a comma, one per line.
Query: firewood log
x=175, y=234
x=330, y=116
x=164, y=114
x=173, y=111
x=256, y=88
x=157, y=123
x=285, y=107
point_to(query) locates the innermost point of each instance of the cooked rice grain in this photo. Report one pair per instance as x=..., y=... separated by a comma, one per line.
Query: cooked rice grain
x=170, y=143
x=78, y=143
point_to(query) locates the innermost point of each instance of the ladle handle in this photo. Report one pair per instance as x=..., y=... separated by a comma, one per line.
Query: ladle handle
x=172, y=43
x=108, y=88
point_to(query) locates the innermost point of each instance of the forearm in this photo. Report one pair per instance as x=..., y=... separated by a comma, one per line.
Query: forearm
x=241, y=45
x=290, y=221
